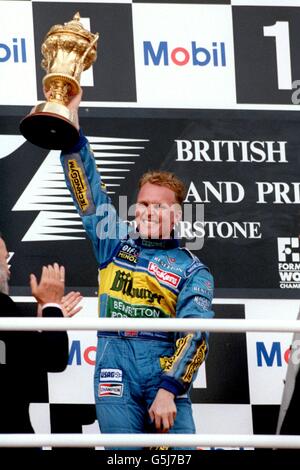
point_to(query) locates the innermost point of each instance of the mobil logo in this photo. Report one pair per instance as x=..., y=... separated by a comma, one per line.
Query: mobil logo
x=79, y=354
x=14, y=50
x=272, y=355
x=194, y=54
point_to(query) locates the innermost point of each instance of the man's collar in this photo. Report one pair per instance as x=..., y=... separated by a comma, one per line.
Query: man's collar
x=162, y=244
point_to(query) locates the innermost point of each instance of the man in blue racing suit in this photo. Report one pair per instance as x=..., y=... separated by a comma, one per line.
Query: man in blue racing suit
x=142, y=379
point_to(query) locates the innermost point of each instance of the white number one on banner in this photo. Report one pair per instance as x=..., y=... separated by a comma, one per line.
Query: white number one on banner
x=87, y=77
x=280, y=30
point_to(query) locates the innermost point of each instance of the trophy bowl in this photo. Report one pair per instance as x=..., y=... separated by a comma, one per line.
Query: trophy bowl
x=67, y=51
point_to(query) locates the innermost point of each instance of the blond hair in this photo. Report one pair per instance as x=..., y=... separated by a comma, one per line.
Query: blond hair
x=167, y=180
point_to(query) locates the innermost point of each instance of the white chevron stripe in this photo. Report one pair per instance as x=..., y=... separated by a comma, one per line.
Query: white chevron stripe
x=112, y=178
x=113, y=154
x=114, y=139
x=113, y=147
x=112, y=162
x=105, y=170
x=47, y=191
x=53, y=226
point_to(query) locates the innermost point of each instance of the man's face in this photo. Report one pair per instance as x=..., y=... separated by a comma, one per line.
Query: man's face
x=156, y=211
x=4, y=255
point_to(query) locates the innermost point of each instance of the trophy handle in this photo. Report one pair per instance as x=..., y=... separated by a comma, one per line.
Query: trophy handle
x=79, y=66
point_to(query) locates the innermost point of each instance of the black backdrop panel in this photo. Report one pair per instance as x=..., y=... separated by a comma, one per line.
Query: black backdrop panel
x=114, y=69
x=256, y=64
x=237, y=261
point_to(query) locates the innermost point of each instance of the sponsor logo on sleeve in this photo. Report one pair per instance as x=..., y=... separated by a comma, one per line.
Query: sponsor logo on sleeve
x=203, y=291
x=78, y=184
x=203, y=302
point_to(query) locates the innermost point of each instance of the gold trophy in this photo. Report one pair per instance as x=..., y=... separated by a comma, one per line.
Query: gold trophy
x=67, y=50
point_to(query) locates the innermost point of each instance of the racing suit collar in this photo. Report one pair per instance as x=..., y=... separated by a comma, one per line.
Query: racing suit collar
x=164, y=244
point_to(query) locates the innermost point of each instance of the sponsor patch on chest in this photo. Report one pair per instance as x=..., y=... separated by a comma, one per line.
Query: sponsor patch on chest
x=164, y=276
x=128, y=253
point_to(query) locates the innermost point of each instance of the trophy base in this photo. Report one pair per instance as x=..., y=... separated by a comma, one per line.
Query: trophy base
x=49, y=130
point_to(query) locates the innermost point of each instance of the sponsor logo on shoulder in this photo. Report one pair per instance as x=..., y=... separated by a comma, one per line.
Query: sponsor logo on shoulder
x=110, y=390
x=196, y=264
x=114, y=375
x=164, y=276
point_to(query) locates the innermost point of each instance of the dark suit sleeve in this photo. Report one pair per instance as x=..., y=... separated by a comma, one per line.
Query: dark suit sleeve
x=8, y=308
x=47, y=350
x=53, y=345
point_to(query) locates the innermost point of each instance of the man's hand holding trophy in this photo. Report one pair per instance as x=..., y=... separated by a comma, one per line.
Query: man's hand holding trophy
x=68, y=50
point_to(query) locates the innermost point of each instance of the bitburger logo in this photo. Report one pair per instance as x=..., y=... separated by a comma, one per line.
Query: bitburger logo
x=123, y=282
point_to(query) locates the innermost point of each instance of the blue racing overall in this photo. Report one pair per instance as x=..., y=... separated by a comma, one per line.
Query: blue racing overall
x=139, y=278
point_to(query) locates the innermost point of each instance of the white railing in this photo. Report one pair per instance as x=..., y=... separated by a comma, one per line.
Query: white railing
x=147, y=324
x=148, y=440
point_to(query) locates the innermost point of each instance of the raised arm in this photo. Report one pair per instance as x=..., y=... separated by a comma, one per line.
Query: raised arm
x=94, y=206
